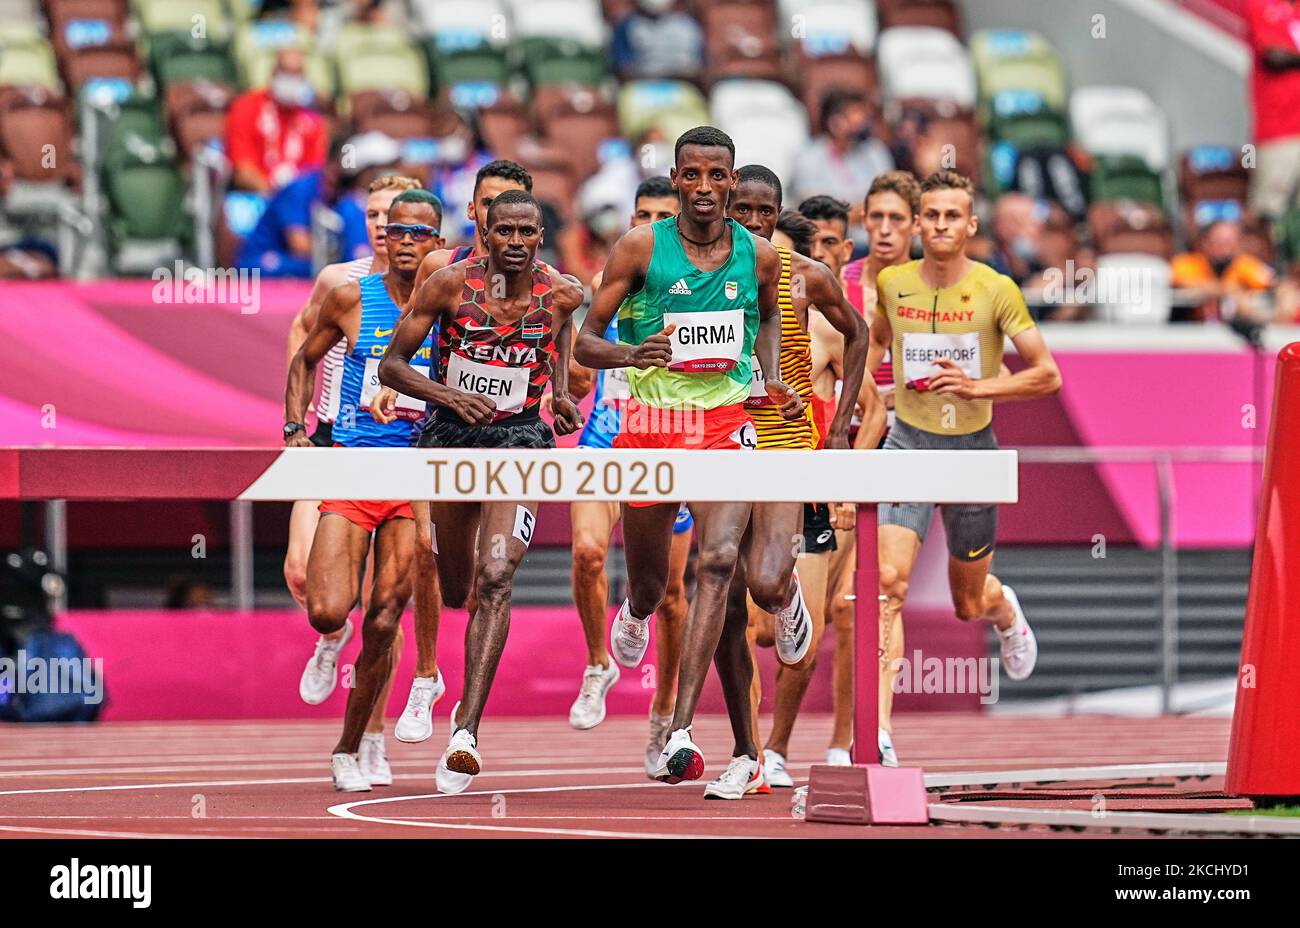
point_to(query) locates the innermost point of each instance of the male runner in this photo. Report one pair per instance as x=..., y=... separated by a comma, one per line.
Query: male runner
x=365, y=313
x=944, y=319
x=320, y=676
x=890, y=214
x=502, y=320
x=779, y=532
x=416, y=722
x=593, y=524
x=696, y=297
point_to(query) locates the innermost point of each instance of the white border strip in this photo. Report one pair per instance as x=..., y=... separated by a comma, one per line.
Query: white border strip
x=993, y=778
x=1201, y=823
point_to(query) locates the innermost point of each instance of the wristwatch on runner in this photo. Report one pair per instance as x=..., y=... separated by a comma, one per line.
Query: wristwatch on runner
x=292, y=428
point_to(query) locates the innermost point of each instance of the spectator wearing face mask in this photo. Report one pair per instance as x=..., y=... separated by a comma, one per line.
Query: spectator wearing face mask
x=844, y=160
x=1017, y=236
x=274, y=134
x=658, y=40
x=1227, y=281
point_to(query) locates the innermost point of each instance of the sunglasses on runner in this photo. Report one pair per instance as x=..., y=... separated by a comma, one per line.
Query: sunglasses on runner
x=397, y=230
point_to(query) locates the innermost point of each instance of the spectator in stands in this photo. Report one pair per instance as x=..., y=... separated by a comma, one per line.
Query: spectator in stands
x=659, y=40
x=274, y=134
x=1226, y=281
x=1018, y=223
x=844, y=160
x=281, y=242
x=1274, y=32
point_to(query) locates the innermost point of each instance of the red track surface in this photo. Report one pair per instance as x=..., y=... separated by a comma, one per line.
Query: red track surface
x=541, y=778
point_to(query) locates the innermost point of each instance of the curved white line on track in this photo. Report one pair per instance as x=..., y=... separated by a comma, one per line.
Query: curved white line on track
x=344, y=810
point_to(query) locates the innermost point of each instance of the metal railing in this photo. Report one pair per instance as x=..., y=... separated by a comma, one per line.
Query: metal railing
x=1163, y=460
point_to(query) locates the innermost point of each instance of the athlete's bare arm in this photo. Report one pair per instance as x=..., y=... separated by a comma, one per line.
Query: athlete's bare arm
x=824, y=292
x=767, y=344
x=433, y=261
x=330, y=276
x=566, y=296
x=339, y=305
x=1041, y=376
x=429, y=304
x=624, y=274
x=882, y=337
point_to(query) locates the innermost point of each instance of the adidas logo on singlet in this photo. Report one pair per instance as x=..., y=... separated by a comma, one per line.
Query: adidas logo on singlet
x=680, y=287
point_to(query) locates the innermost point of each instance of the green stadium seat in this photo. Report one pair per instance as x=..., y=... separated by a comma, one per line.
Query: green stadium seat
x=374, y=58
x=178, y=56
x=1024, y=119
x=143, y=186
x=549, y=60
x=452, y=64
x=1125, y=177
x=1288, y=232
x=1015, y=59
x=170, y=16
x=670, y=106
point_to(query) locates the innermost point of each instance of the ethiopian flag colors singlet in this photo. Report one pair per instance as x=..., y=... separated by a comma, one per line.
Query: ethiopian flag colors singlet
x=716, y=314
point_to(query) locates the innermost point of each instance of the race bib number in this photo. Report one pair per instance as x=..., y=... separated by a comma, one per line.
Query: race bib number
x=708, y=342
x=408, y=407
x=757, y=389
x=505, y=386
x=922, y=349
x=616, y=389
x=745, y=437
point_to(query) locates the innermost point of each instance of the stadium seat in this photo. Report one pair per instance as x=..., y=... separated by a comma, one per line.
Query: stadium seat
x=554, y=180
x=373, y=57
x=145, y=192
x=577, y=20
x=1125, y=177
x=1120, y=121
x=504, y=125
x=196, y=113
x=477, y=21
x=26, y=58
x=918, y=61
x=453, y=62
x=1133, y=288
x=931, y=14
x=740, y=39
x=1052, y=174
x=767, y=123
x=1131, y=227
x=60, y=12
x=550, y=60
x=396, y=113
x=178, y=57
x=1213, y=172
x=255, y=46
x=829, y=27
x=849, y=71
x=114, y=59
x=1016, y=60
x=1288, y=239
x=581, y=124
x=959, y=131
x=672, y=107
x=1025, y=119
x=36, y=143
x=170, y=16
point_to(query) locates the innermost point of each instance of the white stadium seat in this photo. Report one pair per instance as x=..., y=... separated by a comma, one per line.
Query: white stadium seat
x=829, y=26
x=1120, y=121
x=767, y=123
x=1133, y=288
x=922, y=61
x=578, y=20
x=437, y=17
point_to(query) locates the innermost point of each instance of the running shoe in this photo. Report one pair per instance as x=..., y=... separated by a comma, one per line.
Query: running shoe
x=588, y=710
x=1019, y=646
x=321, y=674
x=455, y=781
x=655, y=746
x=838, y=757
x=348, y=777
x=373, y=760
x=794, y=630
x=629, y=637
x=681, y=759
x=884, y=741
x=416, y=723
x=774, y=770
x=743, y=776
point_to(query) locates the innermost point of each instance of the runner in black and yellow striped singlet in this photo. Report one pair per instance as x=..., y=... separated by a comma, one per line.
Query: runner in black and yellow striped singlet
x=774, y=430
x=778, y=531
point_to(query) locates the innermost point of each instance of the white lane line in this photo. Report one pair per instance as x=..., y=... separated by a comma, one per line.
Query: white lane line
x=558, y=771
x=87, y=833
x=344, y=810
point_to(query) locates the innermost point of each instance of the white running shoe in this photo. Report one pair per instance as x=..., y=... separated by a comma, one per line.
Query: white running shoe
x=588, y=710
x=655, y=746
x=888, y=758
x=321, y=674
x=794, y=630
x=373, y=760
x=1019, y=646
x=416, y=723
x=681, y=759
x=743, y=775
x=449, y=780
x=629, y=637
x=838, y=757
x=774, y=767
x=348, y=777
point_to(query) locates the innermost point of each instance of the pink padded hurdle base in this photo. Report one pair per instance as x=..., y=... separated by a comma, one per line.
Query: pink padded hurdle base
x=867, y=794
